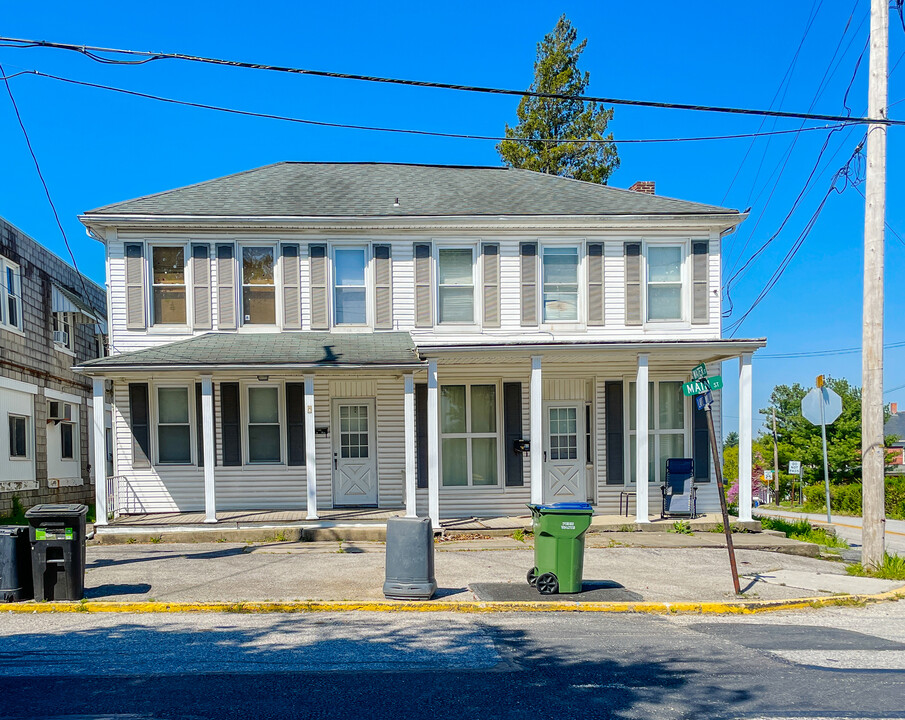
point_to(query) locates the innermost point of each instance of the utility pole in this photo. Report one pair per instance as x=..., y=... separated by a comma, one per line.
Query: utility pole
x=872, y=441
x=775, y=460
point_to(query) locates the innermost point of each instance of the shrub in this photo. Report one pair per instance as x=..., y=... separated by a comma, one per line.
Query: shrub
x=846, y=498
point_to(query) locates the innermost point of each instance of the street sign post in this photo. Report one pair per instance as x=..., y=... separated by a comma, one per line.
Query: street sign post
x=700, y=387
x=822, y=406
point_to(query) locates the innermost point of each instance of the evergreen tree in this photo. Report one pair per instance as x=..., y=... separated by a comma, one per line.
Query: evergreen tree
x=572, y=121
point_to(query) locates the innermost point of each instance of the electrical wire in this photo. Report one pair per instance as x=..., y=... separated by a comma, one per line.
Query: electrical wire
x=825, y=353
x=410, y=131
x=53, y=206
x=92, y=52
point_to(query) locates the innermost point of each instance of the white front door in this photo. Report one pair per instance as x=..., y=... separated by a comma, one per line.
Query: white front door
x=354, y=453
x=564, y=461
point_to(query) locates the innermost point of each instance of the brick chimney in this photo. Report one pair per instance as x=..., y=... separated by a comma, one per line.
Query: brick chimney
x=894, y=408
x=645, y=186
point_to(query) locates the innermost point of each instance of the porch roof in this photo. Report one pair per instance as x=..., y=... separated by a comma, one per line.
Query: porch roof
x=291, y=350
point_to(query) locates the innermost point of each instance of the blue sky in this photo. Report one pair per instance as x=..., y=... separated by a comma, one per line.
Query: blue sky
x=96, y=147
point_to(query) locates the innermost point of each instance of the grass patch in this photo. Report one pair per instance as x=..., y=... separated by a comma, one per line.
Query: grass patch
x=802, y=530
x=682, y=527
x=627, y=528
x=893, y=568
x=521, y=535
x=17, y=516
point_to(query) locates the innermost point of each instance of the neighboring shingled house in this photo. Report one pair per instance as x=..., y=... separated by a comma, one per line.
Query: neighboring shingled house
x=895, y=427
x=458, y=341
x=50, y=320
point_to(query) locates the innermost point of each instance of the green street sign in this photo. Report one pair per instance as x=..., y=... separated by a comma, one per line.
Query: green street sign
x=699, y=373
x=695, y=387
x=715, y=382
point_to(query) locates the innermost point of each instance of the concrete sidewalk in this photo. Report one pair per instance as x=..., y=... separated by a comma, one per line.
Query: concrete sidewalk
x=679, y=568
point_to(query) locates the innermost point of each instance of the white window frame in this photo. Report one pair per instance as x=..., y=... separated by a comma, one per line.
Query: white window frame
x=76, y=440
x=28, y=444
x=654, y=433
x=368, y=285
x=189, y=387
x=477, y=307
x=685, y=292
x=274, y=246
x=64, y=321
x=570, y=244
x=468, y=435
x=245, y=407
x=187, y=284
x=6, y=266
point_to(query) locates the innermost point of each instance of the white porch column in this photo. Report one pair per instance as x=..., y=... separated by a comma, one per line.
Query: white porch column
x=433, y=445
x=744, y=437
x=536, y=409
x=207, y=430
x=100, y=452
x=642, y=440
x=411, y=480
x=310, y=455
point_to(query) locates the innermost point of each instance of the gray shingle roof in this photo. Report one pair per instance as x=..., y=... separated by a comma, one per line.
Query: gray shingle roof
x=268, y=349
x=299, y=189
x=896, y=426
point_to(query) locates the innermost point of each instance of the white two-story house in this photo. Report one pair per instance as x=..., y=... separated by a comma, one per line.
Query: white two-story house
x=456, y=341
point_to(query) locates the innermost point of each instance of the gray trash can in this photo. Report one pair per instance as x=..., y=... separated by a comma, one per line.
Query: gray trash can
x=58, y=551
x=410, y=559
x=15, y=564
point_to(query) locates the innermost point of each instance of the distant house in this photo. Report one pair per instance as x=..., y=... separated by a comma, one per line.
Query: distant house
x=895, y=426
x=50, y=320
x=458, y=341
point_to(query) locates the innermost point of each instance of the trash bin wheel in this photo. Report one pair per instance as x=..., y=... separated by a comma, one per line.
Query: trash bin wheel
x=547, y=584
x=532, y=577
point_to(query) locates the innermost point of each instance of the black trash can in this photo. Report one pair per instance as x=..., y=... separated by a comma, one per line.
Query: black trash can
x=58, y=551
x=410, y=559
x=15, y=564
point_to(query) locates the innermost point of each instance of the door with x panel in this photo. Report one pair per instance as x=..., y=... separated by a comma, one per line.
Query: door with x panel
x=564, y=461
x=354, y=453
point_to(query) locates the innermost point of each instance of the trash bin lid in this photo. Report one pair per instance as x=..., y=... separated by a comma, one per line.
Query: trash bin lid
x=13, y=530
x=566, y=506
x=70, y=510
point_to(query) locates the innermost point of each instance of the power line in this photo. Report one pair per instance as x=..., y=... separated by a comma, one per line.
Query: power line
x=888, y=226
x=92, y=53
x=53, y=207
x=410, y=131
x=824, y=353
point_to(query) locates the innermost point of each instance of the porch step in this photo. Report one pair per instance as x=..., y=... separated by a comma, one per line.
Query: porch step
x=125, y=534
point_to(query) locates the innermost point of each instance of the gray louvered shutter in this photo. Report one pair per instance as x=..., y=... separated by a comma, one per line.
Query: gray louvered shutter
x=317, y=255
x=615, y=434
x=292, y=300
x=595, y=284
x=226, y=288
x=383, y=287
x=140, y=424
x=491, y=253
x=201, y=286
x=633, y=283
x=424, y=295
x=135, y=286
x=700, y=254
x=528, y=255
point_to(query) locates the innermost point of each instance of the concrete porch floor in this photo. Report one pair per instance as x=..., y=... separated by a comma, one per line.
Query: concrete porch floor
x=347, y=524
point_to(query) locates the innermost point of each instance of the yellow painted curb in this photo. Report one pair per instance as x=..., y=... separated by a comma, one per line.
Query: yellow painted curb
x=738, y=607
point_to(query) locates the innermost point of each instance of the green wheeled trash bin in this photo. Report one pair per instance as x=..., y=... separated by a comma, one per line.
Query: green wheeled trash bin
x=559, y=531
x=58, y=551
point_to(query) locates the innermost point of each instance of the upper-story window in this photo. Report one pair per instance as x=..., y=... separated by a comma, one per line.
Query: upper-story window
x=168, y=285
x=63, y=337
x=456, y=286
x=560, y=278
x=664, y=282
x=350, y=305
x=258, y=285
x=10, y=294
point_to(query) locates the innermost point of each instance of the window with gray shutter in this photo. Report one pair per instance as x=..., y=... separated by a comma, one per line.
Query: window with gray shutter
x=383, y=287
x=140, y=424
x=421, y=433
x=295, y=423
x=491, y=255
x=424, y=296
x=317, y=256
x=595, y=284
x=292, y=301
x=226, y=288
x=700, y=253
x=615, y=434
x=528, y=256
x=135, y=287
x=512, y=433
x=201, y=286
x=230, y=427
x=633, y=283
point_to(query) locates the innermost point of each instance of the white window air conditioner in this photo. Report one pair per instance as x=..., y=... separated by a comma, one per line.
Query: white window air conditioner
x=61, y=337
x=57, y=411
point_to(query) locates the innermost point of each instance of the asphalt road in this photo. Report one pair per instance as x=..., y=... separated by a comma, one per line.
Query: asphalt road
x=848, y=528
x=843, y=662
